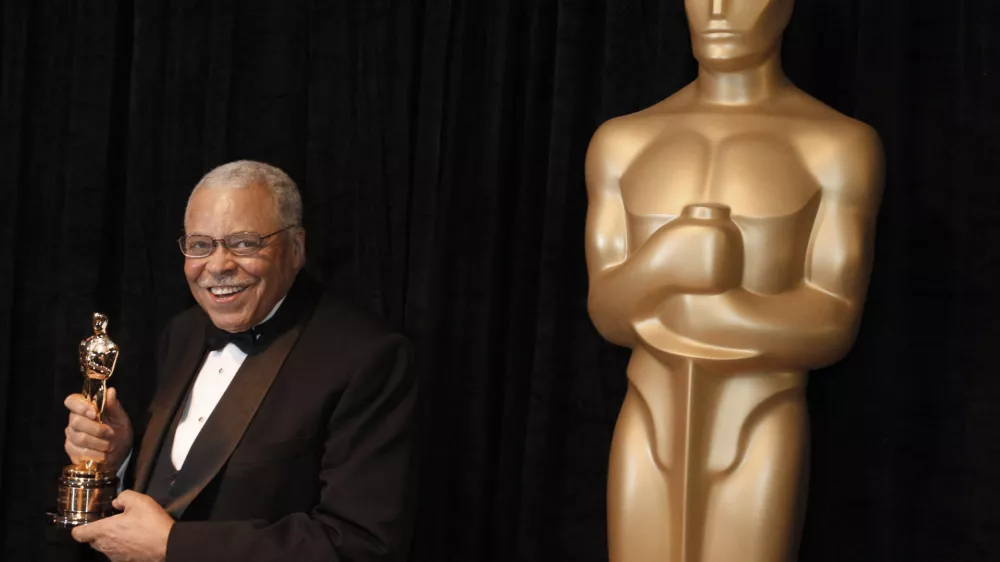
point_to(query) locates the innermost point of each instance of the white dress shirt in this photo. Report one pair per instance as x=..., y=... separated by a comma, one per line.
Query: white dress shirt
x=216, y=373
x=211, y=383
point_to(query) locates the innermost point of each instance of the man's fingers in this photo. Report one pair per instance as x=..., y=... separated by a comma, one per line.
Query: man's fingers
x=113, y=410
x=96, y=530
x=82, y=534
x=77, y=404
x=126, y=500
x=77, y=454
x=90, y=427
x=88, y=532
x=86, y=441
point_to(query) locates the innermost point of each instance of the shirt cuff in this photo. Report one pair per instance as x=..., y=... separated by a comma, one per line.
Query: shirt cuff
x=121, y=472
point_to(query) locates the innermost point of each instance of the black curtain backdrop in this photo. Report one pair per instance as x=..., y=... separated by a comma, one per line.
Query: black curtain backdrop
x=439, y=145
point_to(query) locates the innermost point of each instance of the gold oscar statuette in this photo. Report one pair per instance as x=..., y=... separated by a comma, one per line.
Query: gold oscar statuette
x=87, y=489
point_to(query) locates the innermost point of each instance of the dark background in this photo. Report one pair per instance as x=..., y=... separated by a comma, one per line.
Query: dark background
x=439, y=145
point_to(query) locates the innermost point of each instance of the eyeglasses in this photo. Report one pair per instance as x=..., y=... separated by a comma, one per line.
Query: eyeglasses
x=238, y=243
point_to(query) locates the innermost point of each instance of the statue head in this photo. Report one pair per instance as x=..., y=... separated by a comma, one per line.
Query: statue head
x=732, y=35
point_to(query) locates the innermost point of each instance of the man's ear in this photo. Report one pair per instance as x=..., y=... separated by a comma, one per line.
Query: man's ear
x=299, y=246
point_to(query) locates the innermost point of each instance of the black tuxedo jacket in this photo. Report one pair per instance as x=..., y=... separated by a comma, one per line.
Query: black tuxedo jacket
x=309, y=455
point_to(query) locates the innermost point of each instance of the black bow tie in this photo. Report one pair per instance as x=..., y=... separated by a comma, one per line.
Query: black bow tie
x=246, y=341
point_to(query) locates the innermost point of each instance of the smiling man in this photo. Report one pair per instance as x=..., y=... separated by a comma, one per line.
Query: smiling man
x=239, y=293
x=281, y=428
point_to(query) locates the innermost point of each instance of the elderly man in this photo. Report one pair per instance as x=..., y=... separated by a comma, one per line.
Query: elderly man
x=282, y=425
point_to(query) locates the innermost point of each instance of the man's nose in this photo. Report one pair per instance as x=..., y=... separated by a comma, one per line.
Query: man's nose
x=220, y=261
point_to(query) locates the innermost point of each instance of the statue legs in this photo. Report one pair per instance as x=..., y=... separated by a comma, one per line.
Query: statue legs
x=639, y=498
x=755, y=511
x=94, y=389
x=706, y=467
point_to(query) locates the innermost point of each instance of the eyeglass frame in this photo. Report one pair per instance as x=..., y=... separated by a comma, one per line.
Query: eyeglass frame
x=216, y=242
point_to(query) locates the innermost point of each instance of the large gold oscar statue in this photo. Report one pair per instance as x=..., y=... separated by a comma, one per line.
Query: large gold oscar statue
x=729, y=243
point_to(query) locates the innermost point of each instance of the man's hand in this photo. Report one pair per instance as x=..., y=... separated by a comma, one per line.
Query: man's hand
x=87, y=439
x=137, y=535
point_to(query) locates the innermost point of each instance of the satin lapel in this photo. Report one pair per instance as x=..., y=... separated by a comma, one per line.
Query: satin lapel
x=230, y=419
x=165, y=404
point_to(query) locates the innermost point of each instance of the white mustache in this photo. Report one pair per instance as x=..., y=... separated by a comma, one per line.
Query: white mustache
x=220, y=282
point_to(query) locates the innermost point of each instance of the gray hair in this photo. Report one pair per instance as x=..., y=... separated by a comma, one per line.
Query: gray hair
x=244, y=173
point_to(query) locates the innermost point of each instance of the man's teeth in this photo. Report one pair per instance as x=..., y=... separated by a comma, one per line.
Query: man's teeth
x=223, y=291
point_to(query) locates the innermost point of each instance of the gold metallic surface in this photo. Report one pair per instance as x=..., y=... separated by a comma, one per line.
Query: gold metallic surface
x=729, y=238
x=98, y=356
x=84, y=495
x=87, y=489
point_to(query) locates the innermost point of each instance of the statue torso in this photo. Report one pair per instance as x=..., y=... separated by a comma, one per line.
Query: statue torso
x=752, y=163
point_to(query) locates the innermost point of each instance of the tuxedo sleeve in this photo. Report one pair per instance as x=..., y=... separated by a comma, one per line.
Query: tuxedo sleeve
x=368, y=473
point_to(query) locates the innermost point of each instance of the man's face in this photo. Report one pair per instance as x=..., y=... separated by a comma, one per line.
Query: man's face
x=259, y=280
x=736, y=34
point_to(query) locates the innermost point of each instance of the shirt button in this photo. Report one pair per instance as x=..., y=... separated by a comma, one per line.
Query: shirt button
x=220, y=371
x=201, y=419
